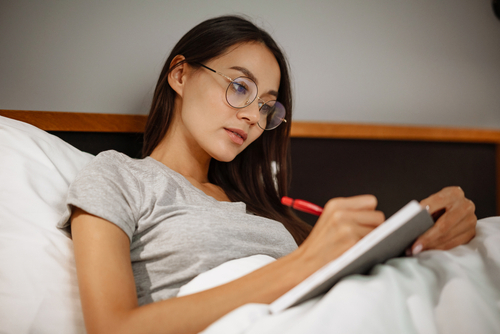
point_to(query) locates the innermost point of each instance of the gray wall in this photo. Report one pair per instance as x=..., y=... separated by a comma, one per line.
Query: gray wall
x=434, y=62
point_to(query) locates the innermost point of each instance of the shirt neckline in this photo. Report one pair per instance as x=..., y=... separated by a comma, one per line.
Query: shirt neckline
x=200, y=192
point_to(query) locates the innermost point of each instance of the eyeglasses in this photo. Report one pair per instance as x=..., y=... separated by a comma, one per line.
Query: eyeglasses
x=242, y=91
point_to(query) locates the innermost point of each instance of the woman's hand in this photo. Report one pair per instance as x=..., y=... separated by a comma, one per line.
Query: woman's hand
x=456, y=224
x=344, y=222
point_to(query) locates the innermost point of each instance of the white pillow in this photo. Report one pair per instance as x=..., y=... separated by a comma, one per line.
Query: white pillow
x=38, y=285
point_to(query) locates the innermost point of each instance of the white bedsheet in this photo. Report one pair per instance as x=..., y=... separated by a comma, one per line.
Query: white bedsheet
x=455, y=291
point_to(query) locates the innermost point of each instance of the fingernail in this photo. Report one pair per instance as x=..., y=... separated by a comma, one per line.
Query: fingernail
x=417, y=249
x=427, y=208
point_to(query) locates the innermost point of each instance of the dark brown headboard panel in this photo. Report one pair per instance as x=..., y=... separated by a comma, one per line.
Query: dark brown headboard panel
x=396, y=163
x=395, y=171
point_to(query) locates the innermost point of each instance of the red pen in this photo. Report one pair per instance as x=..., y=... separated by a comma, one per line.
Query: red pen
x=302, y=205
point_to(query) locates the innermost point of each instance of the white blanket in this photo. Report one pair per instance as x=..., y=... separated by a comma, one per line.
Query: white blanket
x=455, y=291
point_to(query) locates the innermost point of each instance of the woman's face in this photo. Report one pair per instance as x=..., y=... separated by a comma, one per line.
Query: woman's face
x=209, y=122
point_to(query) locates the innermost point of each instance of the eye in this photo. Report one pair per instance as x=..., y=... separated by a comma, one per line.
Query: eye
x=264, y=108
x=239, y=88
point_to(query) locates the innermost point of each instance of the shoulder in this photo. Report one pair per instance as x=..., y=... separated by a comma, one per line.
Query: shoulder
x=111, y=161
x=115, y=167
x=107, y=167
x=108, y=188
x=115, y=170
x=111, y=158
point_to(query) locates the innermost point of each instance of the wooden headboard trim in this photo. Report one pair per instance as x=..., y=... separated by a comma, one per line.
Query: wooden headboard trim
x=393, y=132
x=90, y=122
x=497, y=168
x=84, y=122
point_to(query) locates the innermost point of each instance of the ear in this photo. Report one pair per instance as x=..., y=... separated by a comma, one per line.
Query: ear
x=177, y=74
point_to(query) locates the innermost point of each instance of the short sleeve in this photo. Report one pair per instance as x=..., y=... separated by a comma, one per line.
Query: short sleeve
x=106, y=188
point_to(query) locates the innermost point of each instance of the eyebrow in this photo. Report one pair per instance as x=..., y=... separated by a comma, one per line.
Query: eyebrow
x=249, y=74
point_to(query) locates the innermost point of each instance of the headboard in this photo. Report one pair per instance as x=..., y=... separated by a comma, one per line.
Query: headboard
x=395, y=163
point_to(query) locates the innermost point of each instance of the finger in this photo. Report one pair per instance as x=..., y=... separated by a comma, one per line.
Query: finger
x=434, y=240
x=349, y=234
x=360, y=202
x=465, y=226
x=443, y=199
x=446, y=230
x=458, y=240
x=363, y=230
x=442, y=229
x=455, y=221
x=363, y=217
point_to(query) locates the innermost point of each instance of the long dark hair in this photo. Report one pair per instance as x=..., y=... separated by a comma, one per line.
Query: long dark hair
x=251, y=176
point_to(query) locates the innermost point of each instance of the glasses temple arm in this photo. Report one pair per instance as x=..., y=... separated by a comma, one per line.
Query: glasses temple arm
x=210, y=69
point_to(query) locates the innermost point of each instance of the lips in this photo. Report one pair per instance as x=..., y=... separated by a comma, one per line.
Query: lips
x=237, y=135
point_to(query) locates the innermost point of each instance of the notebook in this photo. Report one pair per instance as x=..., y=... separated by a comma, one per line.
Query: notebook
x=390, y=239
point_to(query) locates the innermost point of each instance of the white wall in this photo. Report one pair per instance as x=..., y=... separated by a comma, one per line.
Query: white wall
x=386, y=61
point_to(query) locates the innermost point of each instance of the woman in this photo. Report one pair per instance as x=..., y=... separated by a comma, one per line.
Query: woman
x=205, y=193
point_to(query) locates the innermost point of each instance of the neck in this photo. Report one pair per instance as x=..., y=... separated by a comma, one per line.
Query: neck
x=188, y=160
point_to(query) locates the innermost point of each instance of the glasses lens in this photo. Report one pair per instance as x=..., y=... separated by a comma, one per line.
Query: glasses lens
x=272, y=114
x=241, y=92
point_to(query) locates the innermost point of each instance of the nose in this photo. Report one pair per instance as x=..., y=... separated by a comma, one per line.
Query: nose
x=250, y=113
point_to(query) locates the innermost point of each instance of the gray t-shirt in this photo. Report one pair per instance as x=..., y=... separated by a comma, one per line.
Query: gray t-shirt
x=176, y=231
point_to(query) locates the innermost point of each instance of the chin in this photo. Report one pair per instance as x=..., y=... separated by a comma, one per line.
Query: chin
x=225, y=156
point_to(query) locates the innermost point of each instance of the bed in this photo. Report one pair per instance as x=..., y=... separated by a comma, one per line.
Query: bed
x=457, y=291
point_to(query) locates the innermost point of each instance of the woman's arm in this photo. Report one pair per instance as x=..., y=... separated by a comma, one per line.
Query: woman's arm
x=107, y=287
